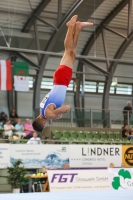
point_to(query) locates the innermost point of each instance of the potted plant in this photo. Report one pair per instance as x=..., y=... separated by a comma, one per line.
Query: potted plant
x=16, y=175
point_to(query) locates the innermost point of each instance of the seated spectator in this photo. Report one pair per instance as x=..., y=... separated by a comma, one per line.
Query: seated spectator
x=13, y=117
x=28, y=129
x=131, y=131
x=125, y=127
x=3, y=118
x=127, y=135
x=8, y=129
x=44, y=170
x=19, y=129
x=34, y=139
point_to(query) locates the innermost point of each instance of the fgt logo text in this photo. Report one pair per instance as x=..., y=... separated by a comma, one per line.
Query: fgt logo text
x=63, y=178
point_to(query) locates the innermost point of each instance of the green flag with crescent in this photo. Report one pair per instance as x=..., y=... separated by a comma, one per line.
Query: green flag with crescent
x=21, y=76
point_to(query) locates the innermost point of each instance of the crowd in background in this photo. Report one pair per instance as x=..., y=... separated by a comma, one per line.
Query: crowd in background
x=13, y=128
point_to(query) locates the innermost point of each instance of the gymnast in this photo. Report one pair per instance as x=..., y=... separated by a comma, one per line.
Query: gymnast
x=51, y=106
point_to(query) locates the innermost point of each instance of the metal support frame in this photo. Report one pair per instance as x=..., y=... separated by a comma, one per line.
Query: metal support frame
x=94, y=66
x=129, y=17
x=83, y=88
x=115, y=32
x=71, y=113
x=10, y=100
x=113, y=66
x=96, y=34
x=128, y=119
x=91, y=118
x=106, y=21
x=105, y=48
x=59, y=11
x=39, y=59
x=44, y=22
x=37, y=40
x=25, y=58
x=77, y=95
x=83, y=97
x=54, y=54
x=109, y=119
x=36, y=12
x=11, y=94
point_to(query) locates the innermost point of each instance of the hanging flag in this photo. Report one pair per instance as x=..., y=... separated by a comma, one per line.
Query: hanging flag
x=21, y=76
x=5, y=75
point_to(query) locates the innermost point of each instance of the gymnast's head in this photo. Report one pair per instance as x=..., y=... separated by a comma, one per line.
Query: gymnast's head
x=39, y=124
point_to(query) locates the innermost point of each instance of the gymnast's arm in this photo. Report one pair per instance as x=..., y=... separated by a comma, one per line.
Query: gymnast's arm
x=58, y=111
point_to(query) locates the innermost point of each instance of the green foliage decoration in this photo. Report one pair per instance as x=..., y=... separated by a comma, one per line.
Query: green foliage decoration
x=16, y=174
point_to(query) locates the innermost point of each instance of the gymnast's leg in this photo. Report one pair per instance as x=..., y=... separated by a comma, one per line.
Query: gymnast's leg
x=71, y=39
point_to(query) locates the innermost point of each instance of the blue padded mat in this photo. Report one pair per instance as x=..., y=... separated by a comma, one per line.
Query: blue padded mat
x=84, y=195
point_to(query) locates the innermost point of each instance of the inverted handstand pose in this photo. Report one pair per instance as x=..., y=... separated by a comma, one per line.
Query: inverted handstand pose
x=51, y=106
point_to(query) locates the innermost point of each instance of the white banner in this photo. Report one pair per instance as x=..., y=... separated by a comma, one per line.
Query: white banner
x=121, y=178
x=4, y=155
x=70, y=180
x=94, y=155
x=36, y=156
x=54, y=156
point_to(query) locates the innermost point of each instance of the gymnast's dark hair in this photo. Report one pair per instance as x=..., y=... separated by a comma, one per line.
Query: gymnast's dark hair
x=37, y=125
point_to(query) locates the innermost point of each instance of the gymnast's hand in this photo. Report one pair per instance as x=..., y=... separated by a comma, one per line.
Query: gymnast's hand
x=58, y=117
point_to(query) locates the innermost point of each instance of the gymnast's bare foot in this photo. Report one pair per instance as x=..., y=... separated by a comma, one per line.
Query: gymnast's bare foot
x=82, y=25
x=72, y=21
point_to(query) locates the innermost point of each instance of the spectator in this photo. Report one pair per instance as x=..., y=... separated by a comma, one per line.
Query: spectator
x=65, y=165
x=13, y=116
x=8, y=129
x=19, y=129
x=44, y=170
x=131, y=131
x=127, y=135
x=127, y=109
x=111, y=165
x=28, y=129
x=125, y=127
x=122, y=165
x=3, y=117
x=34, y=139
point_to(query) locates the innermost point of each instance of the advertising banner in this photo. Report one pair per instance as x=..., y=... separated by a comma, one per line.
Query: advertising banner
x=4, y=155
x=71, y=180
x=121, y=178
x=94, y=155
x=36, y=156
x=77, y=156
x=127, y=156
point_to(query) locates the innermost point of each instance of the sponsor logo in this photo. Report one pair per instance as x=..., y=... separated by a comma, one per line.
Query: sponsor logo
x=63, y=149
x=73, y=177
x=128, y=156
x=63, y=178
x=123, y=180
x=97, y=151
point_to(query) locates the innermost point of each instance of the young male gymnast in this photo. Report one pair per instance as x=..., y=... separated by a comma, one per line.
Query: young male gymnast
x=51, y=106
